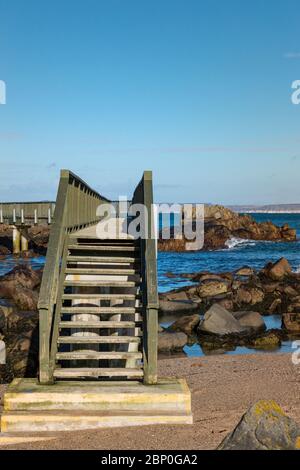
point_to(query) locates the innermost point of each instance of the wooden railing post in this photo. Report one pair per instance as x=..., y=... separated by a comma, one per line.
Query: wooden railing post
x=144, y=195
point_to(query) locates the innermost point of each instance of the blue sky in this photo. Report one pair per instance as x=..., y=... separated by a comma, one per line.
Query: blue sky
x=197, y=91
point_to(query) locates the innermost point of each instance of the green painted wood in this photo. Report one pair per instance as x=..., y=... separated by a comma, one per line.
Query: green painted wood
x=68, y=373
x=68, y=217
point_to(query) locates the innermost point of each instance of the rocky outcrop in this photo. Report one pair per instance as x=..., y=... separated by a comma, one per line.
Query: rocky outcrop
x=265, y=426
x=222, y=224
x=38, y=240
x=20, y=286
x=258, y=291
x=19, y=322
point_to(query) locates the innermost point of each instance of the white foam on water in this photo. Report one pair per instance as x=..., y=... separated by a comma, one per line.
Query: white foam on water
x=236, y=242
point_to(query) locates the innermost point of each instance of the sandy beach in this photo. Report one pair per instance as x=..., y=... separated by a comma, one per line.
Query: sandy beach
x=223, y=388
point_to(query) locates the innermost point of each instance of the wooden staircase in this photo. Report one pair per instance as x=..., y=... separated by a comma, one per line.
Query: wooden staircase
x=100, y=315
x=98, y=301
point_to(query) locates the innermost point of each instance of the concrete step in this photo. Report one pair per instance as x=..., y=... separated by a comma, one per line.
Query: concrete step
x=75, y=310
x=98, y=340
x=74, y=405
x=170, y=395
x=90, y=355
x=55, y=421
x=98, y=325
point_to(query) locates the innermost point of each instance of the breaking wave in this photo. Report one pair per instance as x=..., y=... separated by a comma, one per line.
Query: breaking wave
x=238, y=242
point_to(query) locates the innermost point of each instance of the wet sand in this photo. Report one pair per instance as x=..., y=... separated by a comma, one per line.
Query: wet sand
x=223, y=388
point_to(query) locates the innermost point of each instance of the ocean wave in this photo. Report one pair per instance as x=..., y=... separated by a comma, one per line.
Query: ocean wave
x=238, y=242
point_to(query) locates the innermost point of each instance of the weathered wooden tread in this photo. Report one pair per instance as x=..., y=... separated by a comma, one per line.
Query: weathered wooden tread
x=98, y=339
x=99, y=324
x=103, y=248
x=123, y=272
x=95, y=355
x=102, y=259
x=69, y=373
x=101, y=296
x=94, y=310
x=101, y=283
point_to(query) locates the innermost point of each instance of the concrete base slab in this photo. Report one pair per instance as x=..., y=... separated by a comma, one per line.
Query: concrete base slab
x=66, y=406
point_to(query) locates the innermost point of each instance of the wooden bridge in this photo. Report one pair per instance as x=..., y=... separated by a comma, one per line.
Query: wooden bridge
x=98, y=309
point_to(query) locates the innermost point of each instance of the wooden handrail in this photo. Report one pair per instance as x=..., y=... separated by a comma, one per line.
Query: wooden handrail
x=75, y=208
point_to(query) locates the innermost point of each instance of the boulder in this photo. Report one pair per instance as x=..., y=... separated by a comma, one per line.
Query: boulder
x=249, y=295
x=252, y=320
x=212, y=288
x=279, y=270
x=218, y=321
x=171, y=342
x=265, y=426
x=4, y=251
x=291, y=322
x=177, y=307
x=245, y=271
x=25, y=299
x=185, y=324
x=269, y=340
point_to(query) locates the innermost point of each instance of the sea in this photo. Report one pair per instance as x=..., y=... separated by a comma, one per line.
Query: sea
x=237, y=254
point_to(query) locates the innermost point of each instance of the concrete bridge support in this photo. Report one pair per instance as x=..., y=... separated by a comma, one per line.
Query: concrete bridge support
x=20, y=239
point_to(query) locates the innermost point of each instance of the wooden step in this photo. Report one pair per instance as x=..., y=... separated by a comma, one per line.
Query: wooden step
x=69, y=373
x=100, y=283
x=103, y=259
x=98, y=340
x=103, y=248
x=98, y=325
x=95, y=355
x=76, y=310
x=101, y=296
x=123, y=272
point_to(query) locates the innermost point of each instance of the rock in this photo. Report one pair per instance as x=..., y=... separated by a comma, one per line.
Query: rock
x=243, y=296
x=279, y=270
x=2, y=352
x=4, y=250
x=21, y=275
x=185, y=324
x=275, y=305
x=291, y=322
x=170, y=342
x=252, y=320
x=5, y=311
x=226, y=303
x=222, y=224
x=176, y=295
x=218, y=321
x=264, y=427
x=177, y=307
x=290, y=292
x=246, y=295
x=21, y=322
x=212, y=288
x=245, y=271
x=25, y=299
x=269, y=340
x=22, y=354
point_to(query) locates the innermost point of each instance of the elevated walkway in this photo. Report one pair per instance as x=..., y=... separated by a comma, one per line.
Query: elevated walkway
x=98, y=309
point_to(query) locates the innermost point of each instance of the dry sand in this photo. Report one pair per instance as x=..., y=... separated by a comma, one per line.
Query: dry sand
x=223, y=388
